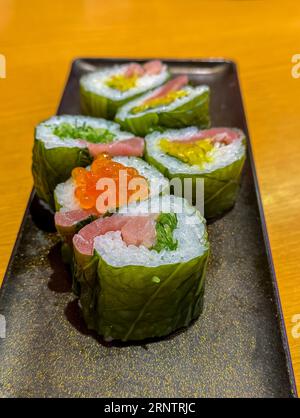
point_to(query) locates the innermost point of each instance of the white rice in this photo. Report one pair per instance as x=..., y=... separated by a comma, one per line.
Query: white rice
x=158, y=184
x=222, y=155
x=64, y=196
x=190, y=229
x=96, y=82
x=193, y=92
x=44, y=131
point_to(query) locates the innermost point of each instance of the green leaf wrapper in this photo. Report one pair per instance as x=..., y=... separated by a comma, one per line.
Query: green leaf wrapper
x=67, y=232
x=195, y=112
x=136, y=302
x=53, y=166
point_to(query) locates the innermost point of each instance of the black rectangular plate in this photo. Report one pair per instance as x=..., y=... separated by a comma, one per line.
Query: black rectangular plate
x=238, y=347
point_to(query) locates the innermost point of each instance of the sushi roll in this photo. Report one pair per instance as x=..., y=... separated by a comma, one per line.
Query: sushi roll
x=64, y=142
x=140, y=276
x=173, y=105
x=103, y=92
x=215, y=155
x=81, y=199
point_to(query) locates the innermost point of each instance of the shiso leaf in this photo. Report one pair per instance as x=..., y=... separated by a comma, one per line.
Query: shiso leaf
x=54, y=165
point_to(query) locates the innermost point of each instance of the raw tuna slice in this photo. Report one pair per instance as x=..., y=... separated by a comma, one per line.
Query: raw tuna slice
x=133, y=147
x=172, y=85
x=135, y=230
x=140, y=230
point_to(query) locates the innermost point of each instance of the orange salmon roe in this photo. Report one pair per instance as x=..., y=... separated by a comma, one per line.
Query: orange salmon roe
x=103, y=167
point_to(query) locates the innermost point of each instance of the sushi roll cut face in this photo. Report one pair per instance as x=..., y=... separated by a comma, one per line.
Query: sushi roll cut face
x=80, y=190
x=175, y=104
x=215, y=155
x=139, y=275
x=105, y=90
x=81, y=199
x=64, y=142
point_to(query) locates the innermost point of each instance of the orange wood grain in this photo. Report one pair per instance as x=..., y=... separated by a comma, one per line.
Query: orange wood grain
x=40, y=38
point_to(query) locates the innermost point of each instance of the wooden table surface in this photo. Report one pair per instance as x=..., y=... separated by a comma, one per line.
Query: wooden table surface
x=40, y=38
